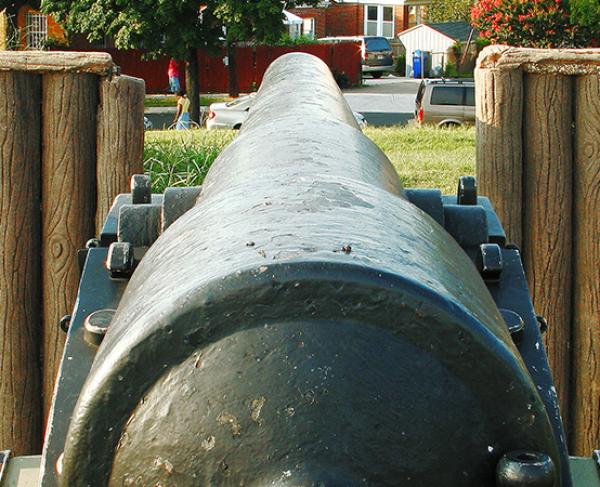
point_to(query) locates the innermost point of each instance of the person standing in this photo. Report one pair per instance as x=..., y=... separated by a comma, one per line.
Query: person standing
x=182, y=118
x=173, y=73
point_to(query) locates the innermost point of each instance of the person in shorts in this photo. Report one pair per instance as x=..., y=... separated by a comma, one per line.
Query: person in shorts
x=182, y=118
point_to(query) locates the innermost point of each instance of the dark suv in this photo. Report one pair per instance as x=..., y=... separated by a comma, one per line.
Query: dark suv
x=376, y=53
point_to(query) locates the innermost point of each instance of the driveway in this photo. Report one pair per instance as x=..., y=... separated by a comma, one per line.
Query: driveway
x=384, y=101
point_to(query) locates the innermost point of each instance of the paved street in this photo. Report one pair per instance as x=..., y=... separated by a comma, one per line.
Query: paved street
x=385, y=101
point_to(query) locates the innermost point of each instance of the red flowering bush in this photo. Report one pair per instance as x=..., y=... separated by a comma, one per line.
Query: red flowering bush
x=530, y=23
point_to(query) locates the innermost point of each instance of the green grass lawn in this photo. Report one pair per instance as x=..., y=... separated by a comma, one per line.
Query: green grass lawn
x=423, y=157
x=428, y=157
x=171, y=101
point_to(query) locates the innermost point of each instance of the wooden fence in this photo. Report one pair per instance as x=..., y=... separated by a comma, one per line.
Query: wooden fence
x=71, y=134
x=252, y=62
x=538, y=158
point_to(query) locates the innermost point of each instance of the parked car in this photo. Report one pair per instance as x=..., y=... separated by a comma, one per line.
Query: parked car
x=445, y=102
x=229, y=115
x=376, y=53
x=147, y=123
x=232, y=114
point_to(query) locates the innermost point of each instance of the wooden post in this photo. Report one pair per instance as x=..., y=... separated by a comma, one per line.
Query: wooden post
x=585, y=404
x=120, y=149
x=68, y=201
x=20, y=274
x=548, y=214
x=499, y=109
x=561, y=204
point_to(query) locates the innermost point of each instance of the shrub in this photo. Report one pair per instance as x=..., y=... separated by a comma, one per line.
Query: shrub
x=401, y=65
x=450, y=71
x=530, y=23
x=286, y=40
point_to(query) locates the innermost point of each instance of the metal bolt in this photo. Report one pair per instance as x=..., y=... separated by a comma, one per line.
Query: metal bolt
x=467, y=191
x=64, y=323
x=120, y=259
x=141, y=189
x=4, y=459
x=59, y=464
x=96, y=326
x=92, y=243
x=542, y=323
x=515, y=324
x=525, y=469
x=489, y=261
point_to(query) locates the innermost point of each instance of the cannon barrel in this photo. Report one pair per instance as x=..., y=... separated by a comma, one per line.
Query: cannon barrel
x=305, y=324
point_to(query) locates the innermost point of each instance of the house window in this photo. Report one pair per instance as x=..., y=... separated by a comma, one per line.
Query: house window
x=37, y=30
x=379, y=20
x=308, y=28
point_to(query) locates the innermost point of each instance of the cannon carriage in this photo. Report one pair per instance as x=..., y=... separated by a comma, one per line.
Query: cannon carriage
x=303, y=320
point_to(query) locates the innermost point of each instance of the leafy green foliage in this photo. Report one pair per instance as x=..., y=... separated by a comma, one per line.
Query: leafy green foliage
x=531, y=23
x=286, y=40
x=171, y=27
x=168, y=27
x=400, y=68
x=538, y=23
x=585, y=14
x=449, y=10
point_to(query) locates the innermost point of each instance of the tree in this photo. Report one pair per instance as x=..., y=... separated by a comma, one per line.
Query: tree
x=585, y=14
x=538, y=23
x=449, y=10
x=174, y=28
x=529, y=23
x=250, y=21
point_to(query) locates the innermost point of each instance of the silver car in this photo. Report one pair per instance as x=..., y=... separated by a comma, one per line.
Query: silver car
x=232, y=114
x=445, y=102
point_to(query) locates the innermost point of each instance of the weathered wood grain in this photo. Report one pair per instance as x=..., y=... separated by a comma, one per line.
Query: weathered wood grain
x=547, y=234
x=585, y=397
x=68, y=200
x=499, y=165
x=20, y=272
x=542, y=61
x=120, y=142
x=99, y=63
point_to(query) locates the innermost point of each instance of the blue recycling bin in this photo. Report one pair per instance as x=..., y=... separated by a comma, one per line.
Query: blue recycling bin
x=421, y=63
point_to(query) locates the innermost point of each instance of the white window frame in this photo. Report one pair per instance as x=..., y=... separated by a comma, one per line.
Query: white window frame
x=37, y=30
x=380, y=20
x=311, y=30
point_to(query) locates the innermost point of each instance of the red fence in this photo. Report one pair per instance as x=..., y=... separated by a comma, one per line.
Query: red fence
x=343, y=59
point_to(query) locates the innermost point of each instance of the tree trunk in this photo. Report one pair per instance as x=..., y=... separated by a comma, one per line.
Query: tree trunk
x=20, y=275
x=192, y=83
x=231, y=57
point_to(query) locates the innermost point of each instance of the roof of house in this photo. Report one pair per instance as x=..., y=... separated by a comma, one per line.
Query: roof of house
x=458, y=31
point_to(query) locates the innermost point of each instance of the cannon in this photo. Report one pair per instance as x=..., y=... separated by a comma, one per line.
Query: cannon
x=303, y=320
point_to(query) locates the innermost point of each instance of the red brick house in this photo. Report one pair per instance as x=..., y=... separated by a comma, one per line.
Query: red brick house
x=361, y=17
